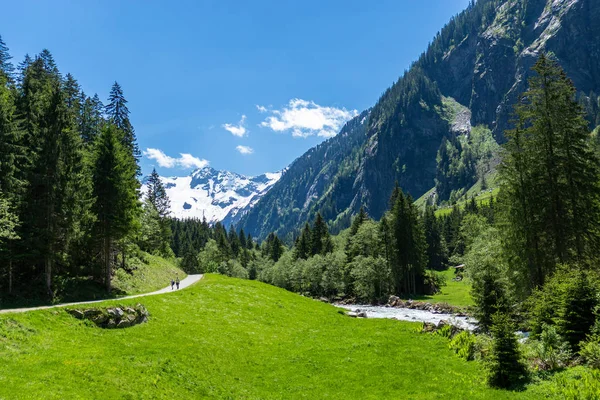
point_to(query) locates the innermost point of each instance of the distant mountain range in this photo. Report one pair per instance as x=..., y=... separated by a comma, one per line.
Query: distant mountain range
x=216, y=195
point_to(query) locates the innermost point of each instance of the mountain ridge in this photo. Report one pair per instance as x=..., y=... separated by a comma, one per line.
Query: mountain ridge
x=480, y=60
x=218, y=196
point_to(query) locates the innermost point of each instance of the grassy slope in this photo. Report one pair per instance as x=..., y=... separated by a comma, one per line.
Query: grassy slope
x=481, y=198
x=155, y=275
x=231, y=339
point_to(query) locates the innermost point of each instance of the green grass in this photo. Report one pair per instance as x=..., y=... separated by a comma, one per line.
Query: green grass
x=228, y=338
x=153, y=274
x=454, y=293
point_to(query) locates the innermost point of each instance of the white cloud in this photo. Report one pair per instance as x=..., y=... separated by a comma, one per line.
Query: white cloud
x=261, y=109
x=184, y=161
x=245, y=149
x=237, y=130
x=306, y=118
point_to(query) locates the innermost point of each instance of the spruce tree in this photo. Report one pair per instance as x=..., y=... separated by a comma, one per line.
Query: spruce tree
x=6, y=66
x=157, y=196
x=550, y=191
x=577, y=311
x=358, y=220
x=303, y=246
x=321, y=240
x=409, y=246
x=505, y=366
x=115, y=189
x=118, y=114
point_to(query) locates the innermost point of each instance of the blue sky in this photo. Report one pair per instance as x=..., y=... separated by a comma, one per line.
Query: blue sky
x=247, y=86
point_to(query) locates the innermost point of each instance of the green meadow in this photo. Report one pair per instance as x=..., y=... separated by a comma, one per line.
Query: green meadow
x=233, y=339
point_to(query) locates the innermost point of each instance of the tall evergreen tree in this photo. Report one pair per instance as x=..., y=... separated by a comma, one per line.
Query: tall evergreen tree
x=321, y=240
x=549, y=178
x=115, y=189
x=6, y=65
x=303, y=246
x=409, y=256
x=118, y=114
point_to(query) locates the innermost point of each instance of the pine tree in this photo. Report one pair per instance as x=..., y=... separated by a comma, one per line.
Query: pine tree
x=157, y=196
x=242, y=237
x=115, y=188
x=577, y=311
x=409, y=247
x=549, y=178
x=436, y=249
x=118, y=114
x=505, y=366
x=22, y=68
x=6, y=66
x=234, y=241
x=250, y=242
x=358, y=220
x=303, y=246
x=321, y=240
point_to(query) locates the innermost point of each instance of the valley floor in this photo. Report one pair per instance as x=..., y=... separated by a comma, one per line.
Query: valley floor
x=230, y=338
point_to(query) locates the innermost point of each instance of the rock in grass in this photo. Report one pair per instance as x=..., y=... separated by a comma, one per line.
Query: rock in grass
x=113, y=317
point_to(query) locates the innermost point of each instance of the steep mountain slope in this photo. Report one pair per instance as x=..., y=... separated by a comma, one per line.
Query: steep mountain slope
x=479, y=61
x=216, y=195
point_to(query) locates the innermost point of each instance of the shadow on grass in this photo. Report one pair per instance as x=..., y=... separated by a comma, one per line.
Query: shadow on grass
x=67, y=290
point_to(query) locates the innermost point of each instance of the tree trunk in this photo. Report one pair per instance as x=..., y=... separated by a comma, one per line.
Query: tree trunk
x=48, y=272
x=107, y=261
x=10, y=276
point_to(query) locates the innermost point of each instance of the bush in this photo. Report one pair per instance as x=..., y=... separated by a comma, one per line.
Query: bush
x=463, y=344
x=548, y=353
x=482, y=347
x=433, y=282
x=505, y=368
x=590, y=352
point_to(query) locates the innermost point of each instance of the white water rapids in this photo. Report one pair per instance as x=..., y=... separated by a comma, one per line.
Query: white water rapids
x=407, y=314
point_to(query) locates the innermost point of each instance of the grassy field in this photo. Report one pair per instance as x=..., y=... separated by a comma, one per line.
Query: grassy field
x=234, y=339
x=454, y=293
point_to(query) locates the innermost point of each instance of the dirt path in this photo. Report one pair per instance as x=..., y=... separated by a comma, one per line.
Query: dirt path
x=187, y=281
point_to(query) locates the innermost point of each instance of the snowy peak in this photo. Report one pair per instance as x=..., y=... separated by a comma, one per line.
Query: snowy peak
x=216, y=195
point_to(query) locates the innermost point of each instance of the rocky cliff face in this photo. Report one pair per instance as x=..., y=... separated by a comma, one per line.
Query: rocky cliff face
x=481, y=59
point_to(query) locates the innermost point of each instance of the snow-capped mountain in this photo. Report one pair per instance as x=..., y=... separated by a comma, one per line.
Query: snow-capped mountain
x=216, y=195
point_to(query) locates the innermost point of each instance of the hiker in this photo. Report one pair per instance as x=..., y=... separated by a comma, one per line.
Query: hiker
x=173, y=283
x=177, y=283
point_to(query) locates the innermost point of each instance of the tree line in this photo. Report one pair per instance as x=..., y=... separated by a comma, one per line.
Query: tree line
x=69, y=189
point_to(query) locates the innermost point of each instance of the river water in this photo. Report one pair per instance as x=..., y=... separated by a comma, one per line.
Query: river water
x=407, y=314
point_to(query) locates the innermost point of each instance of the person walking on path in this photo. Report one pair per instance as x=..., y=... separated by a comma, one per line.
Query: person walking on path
x=173, y=283
x=177, y=283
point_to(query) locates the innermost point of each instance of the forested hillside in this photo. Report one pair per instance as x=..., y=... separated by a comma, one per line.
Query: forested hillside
x=470, y=75
x=71, y=213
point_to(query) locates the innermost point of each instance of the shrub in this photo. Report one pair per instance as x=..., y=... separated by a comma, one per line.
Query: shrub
x=463, y=344
x=505, y=368
x=433, y=282
x=548, y=353
x=590, y=352
x=482, y=347
x=445, y=331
